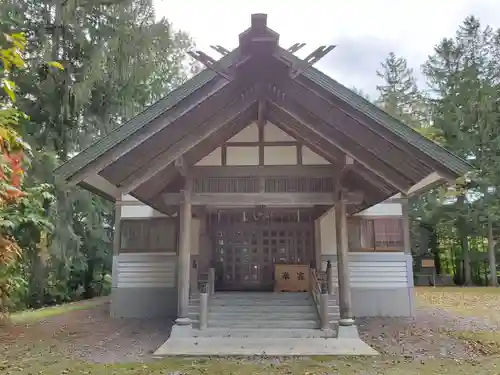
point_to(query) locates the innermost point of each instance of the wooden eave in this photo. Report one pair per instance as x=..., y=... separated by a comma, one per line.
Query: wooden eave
x=262, y=83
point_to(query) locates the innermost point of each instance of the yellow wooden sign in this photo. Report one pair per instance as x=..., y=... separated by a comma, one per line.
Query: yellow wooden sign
x=428, y=263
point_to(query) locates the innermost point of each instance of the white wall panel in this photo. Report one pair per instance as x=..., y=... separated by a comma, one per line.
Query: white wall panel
x=145, y=270
x=311, y=158
x=212, y=159
x=280, y=155
x=242, y=155
x=274, y=134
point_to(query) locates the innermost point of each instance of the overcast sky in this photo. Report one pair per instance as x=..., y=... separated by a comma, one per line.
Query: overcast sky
x=365, y=31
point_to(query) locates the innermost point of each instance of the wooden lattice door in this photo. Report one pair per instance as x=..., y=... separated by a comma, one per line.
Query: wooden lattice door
x=245, y=251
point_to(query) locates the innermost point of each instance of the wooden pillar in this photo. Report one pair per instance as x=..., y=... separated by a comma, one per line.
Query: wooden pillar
x=406, y=225
x=184, y=258
x=346, y=318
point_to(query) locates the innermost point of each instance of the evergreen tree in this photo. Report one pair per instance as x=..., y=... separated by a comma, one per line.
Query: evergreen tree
x=117, y=59
x=464, y=75
x=399, y=94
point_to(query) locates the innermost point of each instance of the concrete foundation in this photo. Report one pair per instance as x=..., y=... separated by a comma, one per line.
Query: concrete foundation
x=143, y=302
x=229, y=346
x=393, y=302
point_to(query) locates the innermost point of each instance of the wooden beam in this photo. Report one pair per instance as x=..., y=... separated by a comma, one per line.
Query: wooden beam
x=310, y=60
x=296, y=47
x=187, y=143
x=223, y=51
x=220, y=88
x=265, y=171
x=181, y=166
x=261, y=199
x=344, y=143
x=211, y=63
x=261, y=122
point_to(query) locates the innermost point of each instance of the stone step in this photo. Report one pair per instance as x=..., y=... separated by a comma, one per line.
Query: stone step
x=251, y=315
x=264, y=333
x=257, y=309
x=258, y=324
x=258, y=303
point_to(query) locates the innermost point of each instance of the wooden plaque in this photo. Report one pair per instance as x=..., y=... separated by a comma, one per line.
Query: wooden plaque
x=291, y=277
x=428, y=263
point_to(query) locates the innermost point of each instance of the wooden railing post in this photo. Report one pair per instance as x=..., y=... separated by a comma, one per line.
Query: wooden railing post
x=324, y=315
x=312, y=269
x=211, y=281
x=329, y=277
x=203, y=307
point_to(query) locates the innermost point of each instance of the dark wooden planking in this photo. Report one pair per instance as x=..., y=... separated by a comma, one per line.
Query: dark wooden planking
x=371, y=161
x=137, y=158
x=321, y=146
x=407, y=163
x=381, y=130
x=148, y=131
x=196, y=136
x=265, y=171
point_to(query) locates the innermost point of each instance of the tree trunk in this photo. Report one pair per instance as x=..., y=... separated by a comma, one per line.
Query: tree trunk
x=464, y=242
x=491, y=254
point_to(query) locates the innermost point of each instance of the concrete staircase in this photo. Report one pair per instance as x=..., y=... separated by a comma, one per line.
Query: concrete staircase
x=256, y=314
x=333, y=310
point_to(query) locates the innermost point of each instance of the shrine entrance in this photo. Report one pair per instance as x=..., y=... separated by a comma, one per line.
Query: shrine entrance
x=247, y=244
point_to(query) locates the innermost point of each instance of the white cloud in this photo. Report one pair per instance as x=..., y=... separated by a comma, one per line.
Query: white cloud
x=410, y=28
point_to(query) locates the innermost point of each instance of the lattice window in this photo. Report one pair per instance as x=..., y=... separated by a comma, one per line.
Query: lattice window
x=149, y=235
x=225, y=185
x=298, y=185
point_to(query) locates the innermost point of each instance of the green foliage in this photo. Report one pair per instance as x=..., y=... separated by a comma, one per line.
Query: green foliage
x=92, y=66
x=461, y=111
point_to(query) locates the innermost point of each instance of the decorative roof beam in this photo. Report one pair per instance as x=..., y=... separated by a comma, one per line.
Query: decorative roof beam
x=261, y=199
x=310, y=60
x=296, y=47
x=211, y=63
x=218, y=48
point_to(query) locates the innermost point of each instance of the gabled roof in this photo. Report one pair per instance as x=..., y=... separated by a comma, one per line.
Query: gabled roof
x=195, y=118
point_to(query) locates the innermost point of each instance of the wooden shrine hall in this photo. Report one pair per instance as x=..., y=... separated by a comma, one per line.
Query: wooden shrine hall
x=257, y=176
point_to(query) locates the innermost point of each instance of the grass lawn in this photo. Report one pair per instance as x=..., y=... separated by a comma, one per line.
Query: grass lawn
x=51, y=354
x=30, y=316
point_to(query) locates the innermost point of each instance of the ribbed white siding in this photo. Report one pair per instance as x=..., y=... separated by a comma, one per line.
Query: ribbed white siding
x=145, y=270
x=389, y=271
